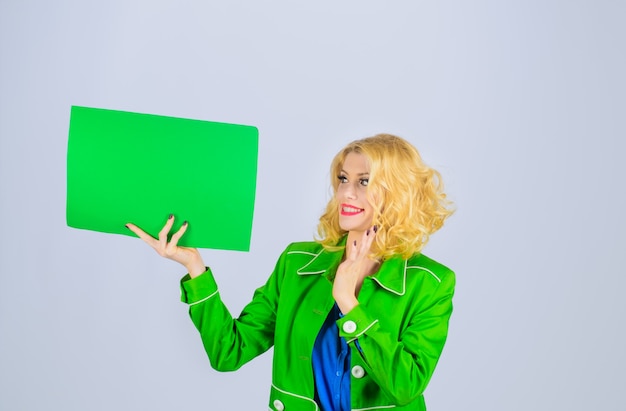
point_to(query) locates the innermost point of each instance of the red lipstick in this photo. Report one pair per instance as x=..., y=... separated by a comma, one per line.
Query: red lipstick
x=350, y=210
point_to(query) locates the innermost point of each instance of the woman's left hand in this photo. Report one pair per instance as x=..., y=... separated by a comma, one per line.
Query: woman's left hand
x=353, y=270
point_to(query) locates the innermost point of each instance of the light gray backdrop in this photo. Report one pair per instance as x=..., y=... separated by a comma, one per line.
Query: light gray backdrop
x=520, y=105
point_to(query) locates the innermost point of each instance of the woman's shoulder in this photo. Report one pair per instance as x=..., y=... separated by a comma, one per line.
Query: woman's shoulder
x=437, y=270
x=305, y=247
x=304, y=251
x=307, y=257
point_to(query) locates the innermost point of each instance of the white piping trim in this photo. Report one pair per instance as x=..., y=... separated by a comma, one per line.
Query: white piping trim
x=427, y=270
x=299, y=271
x=363, y=332
x=403, y=283
x=374, y=408
x=204, y=299
x=387, y=288
x=301, y=252
x=296, y=395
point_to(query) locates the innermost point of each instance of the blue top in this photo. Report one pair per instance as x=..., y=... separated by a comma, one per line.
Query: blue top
x=331, y=366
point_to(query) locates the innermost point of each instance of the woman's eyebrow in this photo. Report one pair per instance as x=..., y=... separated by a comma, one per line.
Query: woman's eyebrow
x=359, y=174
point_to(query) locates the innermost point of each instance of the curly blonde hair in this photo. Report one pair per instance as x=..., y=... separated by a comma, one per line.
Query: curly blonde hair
x=407, y=197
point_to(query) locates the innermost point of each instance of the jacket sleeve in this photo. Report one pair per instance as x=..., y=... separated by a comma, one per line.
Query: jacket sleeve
x=402, y=364
x=231, y=342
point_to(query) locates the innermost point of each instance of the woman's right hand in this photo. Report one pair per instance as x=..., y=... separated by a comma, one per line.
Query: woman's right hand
x=189, y=257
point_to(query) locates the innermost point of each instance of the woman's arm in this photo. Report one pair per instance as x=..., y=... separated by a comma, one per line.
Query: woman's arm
x=229, y=342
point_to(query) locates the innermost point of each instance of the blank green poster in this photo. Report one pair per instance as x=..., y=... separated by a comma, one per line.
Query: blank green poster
x=129, y=167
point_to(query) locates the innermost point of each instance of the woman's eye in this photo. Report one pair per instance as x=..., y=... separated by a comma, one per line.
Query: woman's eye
x=364, y=182
x=342, y=179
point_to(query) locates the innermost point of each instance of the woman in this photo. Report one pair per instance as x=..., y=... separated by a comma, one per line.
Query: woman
x=358, y=319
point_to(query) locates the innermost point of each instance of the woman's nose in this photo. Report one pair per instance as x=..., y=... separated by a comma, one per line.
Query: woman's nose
x=350, y=191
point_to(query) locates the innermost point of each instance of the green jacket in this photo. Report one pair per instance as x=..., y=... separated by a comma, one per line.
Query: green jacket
x=401, y=324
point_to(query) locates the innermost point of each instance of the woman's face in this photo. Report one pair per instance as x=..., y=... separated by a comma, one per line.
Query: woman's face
x=355, y=211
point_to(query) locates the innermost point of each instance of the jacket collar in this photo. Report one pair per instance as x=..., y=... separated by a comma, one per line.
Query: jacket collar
x=391, y=276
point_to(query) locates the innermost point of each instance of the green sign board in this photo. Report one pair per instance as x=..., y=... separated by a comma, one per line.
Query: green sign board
x=136, y=168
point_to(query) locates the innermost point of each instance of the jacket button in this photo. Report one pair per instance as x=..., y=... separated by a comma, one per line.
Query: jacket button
x=358, y=371
x=349, y=327
x=278, y=404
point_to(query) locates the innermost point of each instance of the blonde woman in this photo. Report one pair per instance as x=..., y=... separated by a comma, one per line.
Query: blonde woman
x=358, y=319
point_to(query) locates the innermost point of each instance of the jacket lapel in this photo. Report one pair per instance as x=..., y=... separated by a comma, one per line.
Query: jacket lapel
x=391, y=276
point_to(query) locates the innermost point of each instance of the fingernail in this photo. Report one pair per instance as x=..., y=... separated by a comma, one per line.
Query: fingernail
x=170, y=217
x=126, y=225
x=375, y=228
x=367, y=232
x=355, y=243
x=185, y=223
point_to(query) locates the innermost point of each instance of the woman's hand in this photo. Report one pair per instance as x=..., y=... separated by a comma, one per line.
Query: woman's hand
x=353, y=270
x=189, y=257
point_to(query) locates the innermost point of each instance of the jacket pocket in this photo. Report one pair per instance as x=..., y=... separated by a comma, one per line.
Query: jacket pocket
x=283, y=400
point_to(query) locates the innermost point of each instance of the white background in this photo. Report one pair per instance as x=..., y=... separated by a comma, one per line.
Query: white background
x=520, y=104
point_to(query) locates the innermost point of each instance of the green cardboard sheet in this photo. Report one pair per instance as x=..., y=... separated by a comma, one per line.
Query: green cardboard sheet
x=129, y=167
